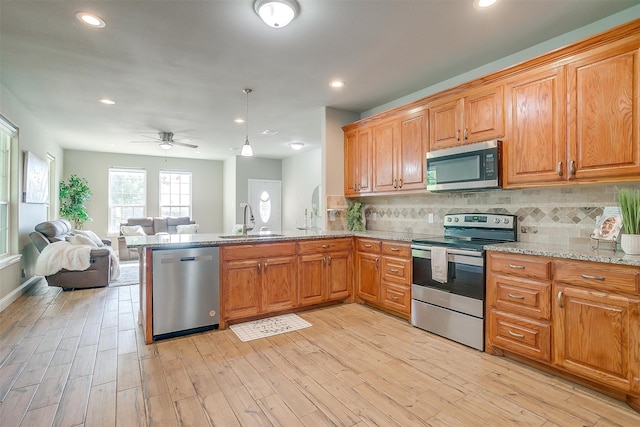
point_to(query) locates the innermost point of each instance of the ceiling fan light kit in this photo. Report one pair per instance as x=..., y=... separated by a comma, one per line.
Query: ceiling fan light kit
x=277, y=13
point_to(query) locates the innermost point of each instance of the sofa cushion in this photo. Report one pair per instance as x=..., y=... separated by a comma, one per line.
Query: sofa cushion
x=132, y=230
x=173, y=222
x=186, y=229
x=52, y=229
x=160, y=225
x=91, y=235
x=145, y=223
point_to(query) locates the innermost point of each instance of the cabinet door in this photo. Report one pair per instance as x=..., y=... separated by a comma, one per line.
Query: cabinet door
x=445, y=121
x=339, y=274
x=483, y=115
x=364, y=161
x=350, y=163
x=604, y=107
x=412, y=149
x=241, y=284
x=591, y=334
x=279, y=282
x=368, y=276
x=384, y=157
x=535, y=150
x=311, y=278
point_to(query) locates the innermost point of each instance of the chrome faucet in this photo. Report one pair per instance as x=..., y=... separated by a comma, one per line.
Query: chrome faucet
x=245, y=226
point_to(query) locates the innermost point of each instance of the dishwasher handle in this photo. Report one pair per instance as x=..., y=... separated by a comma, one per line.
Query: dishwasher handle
x=171, y=260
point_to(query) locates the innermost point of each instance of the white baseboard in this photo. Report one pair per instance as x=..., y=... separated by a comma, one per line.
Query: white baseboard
x=17, y=292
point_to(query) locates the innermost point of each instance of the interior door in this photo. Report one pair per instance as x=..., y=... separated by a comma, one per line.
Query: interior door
x=265, y=199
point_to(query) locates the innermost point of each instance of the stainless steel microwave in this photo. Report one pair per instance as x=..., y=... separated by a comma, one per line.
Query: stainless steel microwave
x=468, y=167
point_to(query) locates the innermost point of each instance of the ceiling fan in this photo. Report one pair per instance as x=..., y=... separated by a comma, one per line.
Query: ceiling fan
x=166, y=141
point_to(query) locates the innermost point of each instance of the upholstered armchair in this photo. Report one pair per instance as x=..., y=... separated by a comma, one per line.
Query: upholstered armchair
x=97, y=275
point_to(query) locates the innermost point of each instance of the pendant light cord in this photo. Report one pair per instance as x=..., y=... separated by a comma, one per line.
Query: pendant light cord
x=247, y=91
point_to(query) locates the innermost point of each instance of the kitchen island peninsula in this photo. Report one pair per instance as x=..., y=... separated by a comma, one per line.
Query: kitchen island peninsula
x=264, y=274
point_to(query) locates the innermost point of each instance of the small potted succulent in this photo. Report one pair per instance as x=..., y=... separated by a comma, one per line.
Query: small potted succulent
x=629, y=201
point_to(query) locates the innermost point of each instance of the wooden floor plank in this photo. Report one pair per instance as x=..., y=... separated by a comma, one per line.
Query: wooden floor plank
x=79, y=358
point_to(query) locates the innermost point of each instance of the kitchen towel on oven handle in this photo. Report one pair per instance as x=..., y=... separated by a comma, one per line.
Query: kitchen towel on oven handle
x=439, y=264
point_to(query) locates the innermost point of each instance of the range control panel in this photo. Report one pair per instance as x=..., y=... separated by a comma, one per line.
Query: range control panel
x=480, y=220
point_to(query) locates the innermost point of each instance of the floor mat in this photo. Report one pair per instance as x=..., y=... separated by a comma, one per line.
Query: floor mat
x=268, y=327
x=129, y=275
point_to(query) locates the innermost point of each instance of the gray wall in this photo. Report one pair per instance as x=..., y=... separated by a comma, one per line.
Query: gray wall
x=207, y=185
x=301, y=174
x=252, y=168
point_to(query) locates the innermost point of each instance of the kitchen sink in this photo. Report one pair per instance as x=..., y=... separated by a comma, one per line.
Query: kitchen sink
x=250, y=236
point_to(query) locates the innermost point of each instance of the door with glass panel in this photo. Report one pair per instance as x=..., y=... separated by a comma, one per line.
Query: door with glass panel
x=266, y=201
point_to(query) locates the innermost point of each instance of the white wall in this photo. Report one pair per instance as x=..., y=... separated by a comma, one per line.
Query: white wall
x=207, y=185
x=229, y=194
x=252, y=168
x=301, y=174
x=333, y=149
x=32, y=137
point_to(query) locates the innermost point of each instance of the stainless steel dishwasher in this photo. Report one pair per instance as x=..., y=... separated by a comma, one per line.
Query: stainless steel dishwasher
x=186, y=290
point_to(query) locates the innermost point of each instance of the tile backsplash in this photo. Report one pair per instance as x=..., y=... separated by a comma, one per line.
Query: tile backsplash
x=561, y=215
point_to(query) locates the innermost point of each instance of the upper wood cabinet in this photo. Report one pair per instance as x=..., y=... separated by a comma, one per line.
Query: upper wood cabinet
x=399, y=149
x=357, y=161
x=575, y=122
x=476, y=116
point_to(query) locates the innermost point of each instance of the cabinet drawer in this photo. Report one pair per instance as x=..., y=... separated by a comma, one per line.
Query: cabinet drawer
x=598, y=275
x=256, y=251
x=400, y=250
x=396, y=297
x=396, y=270
x=324, y=245
x=523, y=336
x=521, y=266
x=368, y=245
x=520, y=296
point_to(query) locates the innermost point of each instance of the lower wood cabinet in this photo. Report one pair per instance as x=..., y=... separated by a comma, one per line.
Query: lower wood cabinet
x=325, y=270
x=578, y=317
x=253, y=283
x=383, y=275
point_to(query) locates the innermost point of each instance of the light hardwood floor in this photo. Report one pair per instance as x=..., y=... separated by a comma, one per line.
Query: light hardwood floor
x=78, y=358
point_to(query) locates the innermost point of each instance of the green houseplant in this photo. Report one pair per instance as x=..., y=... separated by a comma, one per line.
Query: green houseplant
x=629, y=201
x=73, y=195
x=355, y=217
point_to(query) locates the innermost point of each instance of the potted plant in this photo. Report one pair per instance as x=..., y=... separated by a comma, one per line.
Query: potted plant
x=355, y=217
x=629, y=201
x=73, y=195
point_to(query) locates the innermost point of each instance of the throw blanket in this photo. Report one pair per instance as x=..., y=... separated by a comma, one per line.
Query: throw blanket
x=58, y=255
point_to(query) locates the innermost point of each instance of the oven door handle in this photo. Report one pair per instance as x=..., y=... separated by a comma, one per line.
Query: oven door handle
x=452, y=251
x=454, y=255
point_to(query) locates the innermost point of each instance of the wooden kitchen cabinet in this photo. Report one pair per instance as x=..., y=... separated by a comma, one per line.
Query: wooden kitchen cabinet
x=575, y=122
x=383, y=275
x=254, y=283
x=578, y=317
x=476, y=116
x=325, y=270
x=357, y=161
x=399, y=151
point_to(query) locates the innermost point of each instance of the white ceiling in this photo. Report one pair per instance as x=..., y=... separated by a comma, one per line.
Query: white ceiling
x=181, y=65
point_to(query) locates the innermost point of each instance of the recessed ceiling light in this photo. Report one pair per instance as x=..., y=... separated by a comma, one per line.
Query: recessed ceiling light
x=483, y=4
x=91, y=20
x=337, y=83
x=296, y=145
x=107, y=101
x=239, y=120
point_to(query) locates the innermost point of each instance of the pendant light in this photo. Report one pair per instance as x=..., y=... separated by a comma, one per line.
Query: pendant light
x=247, y=151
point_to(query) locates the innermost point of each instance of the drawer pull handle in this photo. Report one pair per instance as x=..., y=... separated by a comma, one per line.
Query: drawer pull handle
x=517, y=267
x=513, y=334
x=395, y=250
x=587, y=276
x=325, y=246
x=559, y=169
x=395, y=297
x=515, y=296
x=560, y=299
x=368, y=245
x=393, y=270
x=572, y=167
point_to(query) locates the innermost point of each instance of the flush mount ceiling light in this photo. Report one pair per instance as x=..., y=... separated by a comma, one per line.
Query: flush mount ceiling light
x=247, y=151
x=165, y=145
x=91, y=20
x=296, y=145
x=483, y=4
x=277, y=13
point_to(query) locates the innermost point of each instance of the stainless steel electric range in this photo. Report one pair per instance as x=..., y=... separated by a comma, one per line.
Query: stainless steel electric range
x=448, y=289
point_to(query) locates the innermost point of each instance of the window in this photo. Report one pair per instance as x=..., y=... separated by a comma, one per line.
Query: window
x=8, y=182
x=175, y=193
x=127, y=196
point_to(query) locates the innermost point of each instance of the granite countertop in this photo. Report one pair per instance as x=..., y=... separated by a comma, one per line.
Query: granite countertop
x=582, y=253
x=215, y=239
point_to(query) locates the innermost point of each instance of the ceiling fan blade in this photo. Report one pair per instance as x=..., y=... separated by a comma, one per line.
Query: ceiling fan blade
x=184, y=144
x=145, y=142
